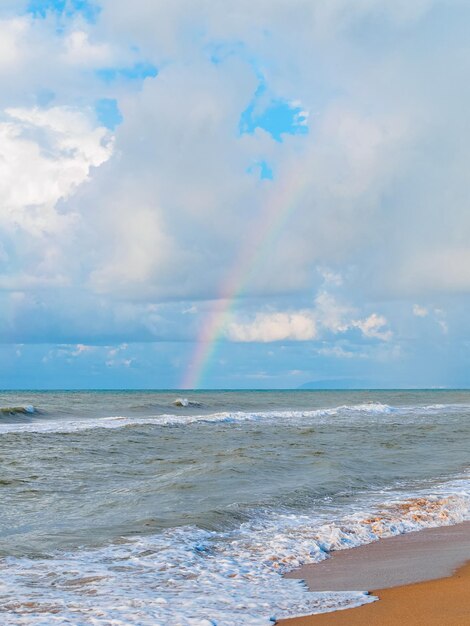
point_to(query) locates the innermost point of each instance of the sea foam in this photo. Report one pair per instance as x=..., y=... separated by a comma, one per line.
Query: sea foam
x=193, y=577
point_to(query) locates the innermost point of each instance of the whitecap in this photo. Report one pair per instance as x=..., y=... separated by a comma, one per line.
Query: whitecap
x=356, y=413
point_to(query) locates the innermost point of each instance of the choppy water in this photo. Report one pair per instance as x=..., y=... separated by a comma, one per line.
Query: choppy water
x=128, y=508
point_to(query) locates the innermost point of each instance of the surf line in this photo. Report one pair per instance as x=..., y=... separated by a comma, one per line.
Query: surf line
x=273, y=217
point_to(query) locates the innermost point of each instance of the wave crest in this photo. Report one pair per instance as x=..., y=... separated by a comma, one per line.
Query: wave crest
x=359, y=413
x=27, y=409
x=184, y=402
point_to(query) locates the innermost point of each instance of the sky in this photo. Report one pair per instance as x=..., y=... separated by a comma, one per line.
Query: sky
x=254, y=194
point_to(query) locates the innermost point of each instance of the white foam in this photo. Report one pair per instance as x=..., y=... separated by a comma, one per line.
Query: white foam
x=350, y=413
x=184, y=402
x=181, y=402
x=192, y=577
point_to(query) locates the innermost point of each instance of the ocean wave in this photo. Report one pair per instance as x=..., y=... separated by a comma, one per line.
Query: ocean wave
x=158, y=579
x=27, y=409
x=184, y=402
x=359, y=413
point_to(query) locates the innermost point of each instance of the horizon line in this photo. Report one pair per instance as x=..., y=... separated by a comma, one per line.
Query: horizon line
x=239, y=389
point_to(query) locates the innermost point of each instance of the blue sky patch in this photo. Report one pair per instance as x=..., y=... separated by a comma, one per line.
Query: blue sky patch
x=274, y=115
x=138, y=71
x=40, y=8
x=263, y=169
x=108, y=113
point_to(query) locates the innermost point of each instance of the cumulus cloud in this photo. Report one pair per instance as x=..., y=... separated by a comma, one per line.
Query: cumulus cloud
x=326, y=316
x=45, y=155
x=267, y=327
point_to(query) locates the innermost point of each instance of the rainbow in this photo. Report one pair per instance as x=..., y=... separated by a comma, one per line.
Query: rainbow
x=271, y=222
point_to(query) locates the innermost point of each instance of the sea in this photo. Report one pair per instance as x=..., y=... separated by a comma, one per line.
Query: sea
x=166, y=508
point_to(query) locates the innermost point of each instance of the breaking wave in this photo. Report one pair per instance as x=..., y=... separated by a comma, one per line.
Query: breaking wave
x=28, y=409
x=184, y=402
x=349, y=413
x=193, y=577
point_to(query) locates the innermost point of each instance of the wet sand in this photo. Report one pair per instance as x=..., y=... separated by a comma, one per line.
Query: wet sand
x=390, y=569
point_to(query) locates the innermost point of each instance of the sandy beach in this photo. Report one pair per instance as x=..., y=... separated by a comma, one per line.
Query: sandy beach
x=390, y=569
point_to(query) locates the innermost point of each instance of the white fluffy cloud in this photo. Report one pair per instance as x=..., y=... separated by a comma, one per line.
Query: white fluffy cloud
x=45, y=155
x=326, y=316
x=373, y=326
x=267, y=327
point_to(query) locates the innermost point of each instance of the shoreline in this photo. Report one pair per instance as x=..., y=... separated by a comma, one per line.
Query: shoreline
x=419, y=578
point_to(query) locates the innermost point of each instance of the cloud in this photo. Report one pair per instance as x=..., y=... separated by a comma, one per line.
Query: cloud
x=80, y=51
x=420, y=311
x=181, y=167
x=66, y=352
x=111, y=235
x=138, y=250
x=45, y=155
x=437, y=315
x=332, y=315
x=440, y=318
x=373, y=326
x=267, y=327
x=308, y=325
x=12, y=42
x=438, y=270
x=339, y=353
x=82, y=349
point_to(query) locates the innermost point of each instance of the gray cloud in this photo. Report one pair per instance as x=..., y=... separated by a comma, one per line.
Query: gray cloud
x=129, y=229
